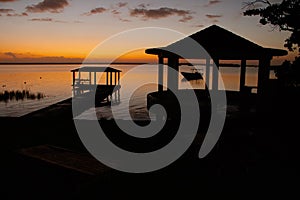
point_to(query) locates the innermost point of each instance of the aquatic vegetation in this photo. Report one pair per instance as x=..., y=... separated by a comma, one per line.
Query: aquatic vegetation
x=19, y=95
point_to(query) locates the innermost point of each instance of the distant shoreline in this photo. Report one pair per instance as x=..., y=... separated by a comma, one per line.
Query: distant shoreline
x=117, y=63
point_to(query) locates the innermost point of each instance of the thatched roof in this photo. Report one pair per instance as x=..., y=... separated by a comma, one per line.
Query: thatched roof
x=219, y=43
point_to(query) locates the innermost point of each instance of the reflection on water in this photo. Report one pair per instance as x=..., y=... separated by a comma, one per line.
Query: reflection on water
x=17, y=95
x=55, y=82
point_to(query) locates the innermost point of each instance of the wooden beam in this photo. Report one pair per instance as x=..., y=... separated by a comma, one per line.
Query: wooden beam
x=95, y=78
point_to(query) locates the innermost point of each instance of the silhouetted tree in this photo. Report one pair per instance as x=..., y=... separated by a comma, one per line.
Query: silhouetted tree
x=284, y=15
x=289, y=73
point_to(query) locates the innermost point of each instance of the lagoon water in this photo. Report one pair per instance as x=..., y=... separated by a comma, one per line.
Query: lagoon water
x=55, y=81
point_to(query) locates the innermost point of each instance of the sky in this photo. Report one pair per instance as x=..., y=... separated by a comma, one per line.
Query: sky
x=68, y=30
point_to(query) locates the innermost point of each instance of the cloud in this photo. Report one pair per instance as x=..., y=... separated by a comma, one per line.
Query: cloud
x=17, y=15
x=53, y=6
x=41, y=20
x=77, y=22
x=124, y=20
x=10, y=54
x=186, y=18
x=199, y=26
x=96, y=11
x=120, y=5
x=5, y=10
x=212, y=2
x=142, y=5
x=46, y=20
x=115, y=12
x=213, y=16
x=11, y=13
x=12, y=57
x=163, y=12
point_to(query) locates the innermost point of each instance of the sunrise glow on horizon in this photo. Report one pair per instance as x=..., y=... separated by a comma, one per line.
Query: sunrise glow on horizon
x=67, y=31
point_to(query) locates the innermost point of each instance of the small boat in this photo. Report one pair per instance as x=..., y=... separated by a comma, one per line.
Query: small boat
x=195, y=75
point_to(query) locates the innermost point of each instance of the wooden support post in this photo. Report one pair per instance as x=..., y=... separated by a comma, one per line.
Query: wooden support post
x=115, y=78
x=263, y=78
x=110, y=78
x=160, y=73
x=243, y=75
x=173, y=62
x=90, y=78
x=95, y=78
x=118, y=78
x=215, y=84
x=79, y=76
x=74, y=77
x=207, y=74
x=106, y=78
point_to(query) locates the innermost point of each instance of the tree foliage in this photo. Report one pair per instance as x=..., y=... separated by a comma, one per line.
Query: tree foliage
x=284, y=15
x=289, y=73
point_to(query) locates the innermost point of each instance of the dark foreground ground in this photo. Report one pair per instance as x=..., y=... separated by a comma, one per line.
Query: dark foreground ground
x=256, y=157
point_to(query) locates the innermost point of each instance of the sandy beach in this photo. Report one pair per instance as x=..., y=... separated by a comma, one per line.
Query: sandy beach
x=251, y=158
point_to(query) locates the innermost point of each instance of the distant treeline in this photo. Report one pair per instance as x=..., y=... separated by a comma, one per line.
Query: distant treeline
x=221, y=64
x=19, y=95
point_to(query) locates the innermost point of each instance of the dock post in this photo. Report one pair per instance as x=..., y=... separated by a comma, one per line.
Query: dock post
x=95, y=78
x=106, y=78
x=243, y=75
x=74, y=76
x=207, y=74
x=173, y=62
x=215, y=84
x=115, y=78
x=111, y=78
x=160, y=73
x=262, y=85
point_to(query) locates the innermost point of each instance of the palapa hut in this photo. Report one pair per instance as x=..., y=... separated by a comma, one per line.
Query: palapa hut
x=220, y=44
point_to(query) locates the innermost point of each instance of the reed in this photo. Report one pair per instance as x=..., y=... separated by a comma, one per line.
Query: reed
x=19, y=95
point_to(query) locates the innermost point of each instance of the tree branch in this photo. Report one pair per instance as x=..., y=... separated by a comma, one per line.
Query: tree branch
x=252, y=3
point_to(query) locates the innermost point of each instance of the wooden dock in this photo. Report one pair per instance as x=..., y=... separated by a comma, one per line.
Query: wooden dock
x=87, y=88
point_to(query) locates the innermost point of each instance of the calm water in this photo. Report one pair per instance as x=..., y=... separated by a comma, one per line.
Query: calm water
x=54, y=81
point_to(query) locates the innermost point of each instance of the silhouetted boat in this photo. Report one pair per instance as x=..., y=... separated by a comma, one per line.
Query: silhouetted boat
x=195, y=75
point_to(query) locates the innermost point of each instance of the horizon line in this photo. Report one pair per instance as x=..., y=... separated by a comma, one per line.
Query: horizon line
x=71, y=63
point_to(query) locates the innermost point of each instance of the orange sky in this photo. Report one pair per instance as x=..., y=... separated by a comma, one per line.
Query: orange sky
x=67, y=31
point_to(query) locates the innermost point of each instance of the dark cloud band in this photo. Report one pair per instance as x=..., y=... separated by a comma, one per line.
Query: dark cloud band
x=53, y=6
